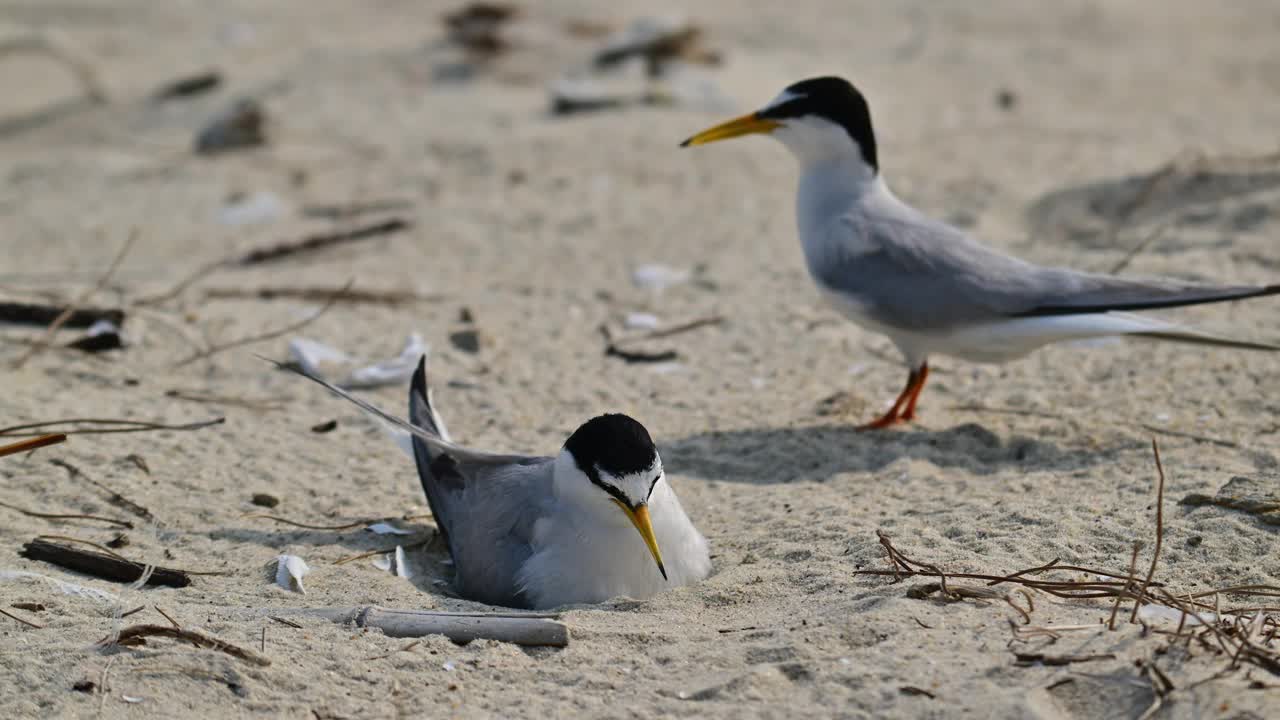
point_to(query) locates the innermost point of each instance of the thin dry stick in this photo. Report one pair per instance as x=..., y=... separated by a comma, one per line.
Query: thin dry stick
x=195, y=637
x=900, y=560
x=1155, y=555
x=673, y=330
x=1133, y=566
x=214, y=399
x=120, y=426
x=201, y=272
x=28, y=623
x=1189, y=436
x=1137, y=249
x=320, y=294
x=167, y=617
x=32, y=444
x=68, y=516
x=314, y=243
x=269, y=335
x=286, y=521
x=52, y=330
x=116, y=498
x=346, y=526
x=371, y=553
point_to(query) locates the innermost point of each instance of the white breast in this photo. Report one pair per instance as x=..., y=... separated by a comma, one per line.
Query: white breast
x=587, y=558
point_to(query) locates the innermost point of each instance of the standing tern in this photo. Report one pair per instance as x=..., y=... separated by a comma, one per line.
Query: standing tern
x=928, y=286
x=540, y=532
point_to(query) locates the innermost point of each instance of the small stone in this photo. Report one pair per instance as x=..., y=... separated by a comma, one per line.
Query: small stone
x=467, y=341
x=240, y=126
x=323, y=427
x=265, y=500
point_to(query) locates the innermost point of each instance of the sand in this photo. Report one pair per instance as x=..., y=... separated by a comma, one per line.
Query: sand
x=534, y=225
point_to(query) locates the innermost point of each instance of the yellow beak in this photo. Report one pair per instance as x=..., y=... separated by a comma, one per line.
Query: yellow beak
x=640, y=518
x=745, y=125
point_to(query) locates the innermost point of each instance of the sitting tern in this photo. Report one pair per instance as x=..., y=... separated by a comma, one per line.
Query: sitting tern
x=928, y=286
x=540, y=532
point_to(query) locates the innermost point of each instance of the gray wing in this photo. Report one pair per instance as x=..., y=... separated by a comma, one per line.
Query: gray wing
x=912, y=272
x=485, y=505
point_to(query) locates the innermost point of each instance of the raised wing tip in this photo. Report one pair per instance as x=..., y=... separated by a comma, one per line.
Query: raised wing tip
x=419, y=384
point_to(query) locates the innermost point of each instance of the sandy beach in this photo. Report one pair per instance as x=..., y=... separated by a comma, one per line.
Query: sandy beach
x=1137, y=135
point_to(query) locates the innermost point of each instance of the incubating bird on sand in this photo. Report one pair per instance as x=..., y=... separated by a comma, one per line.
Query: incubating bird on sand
x=928, y=286
x=589, y=524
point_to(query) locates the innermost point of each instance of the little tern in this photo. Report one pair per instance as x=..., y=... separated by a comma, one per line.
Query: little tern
x=539, y=532
x=928, y=286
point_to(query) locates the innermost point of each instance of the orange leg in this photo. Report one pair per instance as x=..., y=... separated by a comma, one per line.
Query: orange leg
x=896, y=414
x=922, y=376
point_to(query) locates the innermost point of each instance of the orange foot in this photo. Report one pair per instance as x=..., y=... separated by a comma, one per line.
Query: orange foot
x=904, y=408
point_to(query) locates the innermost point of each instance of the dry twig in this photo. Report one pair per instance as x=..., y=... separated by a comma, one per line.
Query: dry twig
x=134, y=633
x=114, y=498
x=1244, y=635
x=26, y=622
x=114, y=426
x=1155, y=554
x=68, y=516
x=268, y=335
x=32, y=444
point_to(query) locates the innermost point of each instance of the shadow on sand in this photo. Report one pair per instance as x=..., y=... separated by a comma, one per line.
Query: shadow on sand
x=816, y=452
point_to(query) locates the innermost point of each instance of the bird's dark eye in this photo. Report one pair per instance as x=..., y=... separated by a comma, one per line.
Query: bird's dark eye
x=653, y=484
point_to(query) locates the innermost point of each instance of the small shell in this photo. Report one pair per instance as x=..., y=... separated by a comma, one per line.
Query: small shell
x=382, y=528
x=290, y=569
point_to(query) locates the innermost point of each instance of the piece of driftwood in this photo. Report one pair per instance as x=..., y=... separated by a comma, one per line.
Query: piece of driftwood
x=533, y=629
x=102, y=342
x=20, y=313
x=101, y=565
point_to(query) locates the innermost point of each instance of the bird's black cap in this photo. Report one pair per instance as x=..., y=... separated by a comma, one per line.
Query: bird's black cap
x=836, y=100
x=614, y=443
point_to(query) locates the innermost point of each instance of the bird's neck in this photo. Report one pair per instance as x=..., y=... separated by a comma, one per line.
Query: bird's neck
x=831, y=186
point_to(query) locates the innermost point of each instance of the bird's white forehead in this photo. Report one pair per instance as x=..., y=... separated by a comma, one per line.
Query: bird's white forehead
x=785, y=96
x=634, y=485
